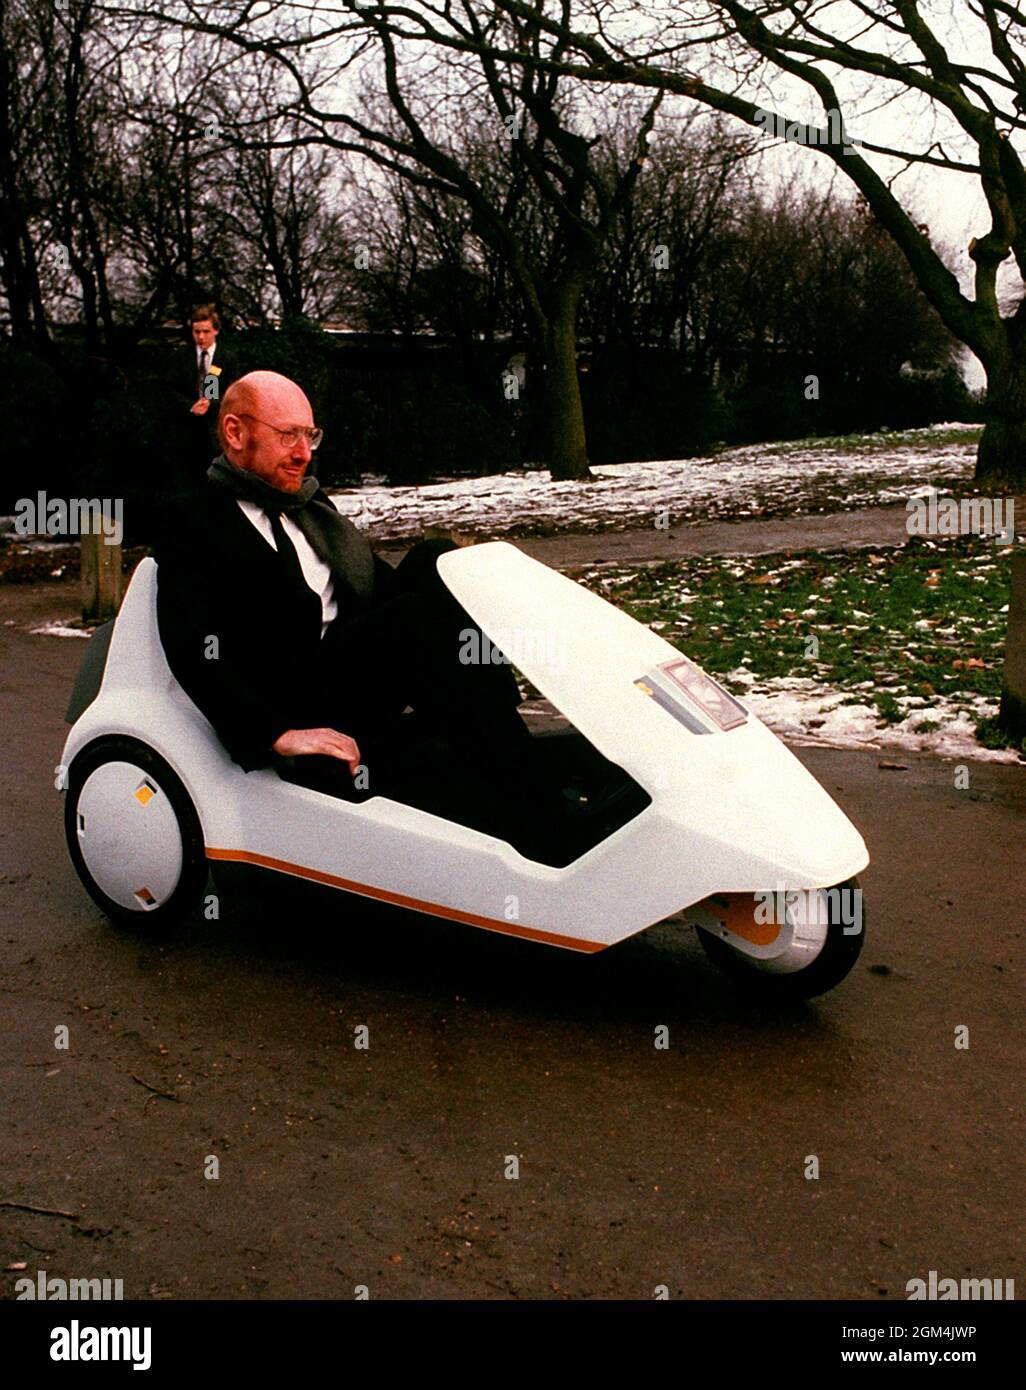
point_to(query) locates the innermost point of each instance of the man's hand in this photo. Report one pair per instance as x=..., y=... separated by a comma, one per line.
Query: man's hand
x=329, y=742
x=201, y=406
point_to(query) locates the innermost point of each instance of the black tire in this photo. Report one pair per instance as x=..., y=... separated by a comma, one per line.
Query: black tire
x=192, y=880
x=837, y=958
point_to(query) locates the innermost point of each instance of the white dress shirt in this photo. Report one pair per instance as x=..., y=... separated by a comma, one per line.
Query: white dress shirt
x=315, y=571
x=210, y=355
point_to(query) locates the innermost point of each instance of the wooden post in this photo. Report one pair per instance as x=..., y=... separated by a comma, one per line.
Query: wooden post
x=101, y=578
x=1013, y=694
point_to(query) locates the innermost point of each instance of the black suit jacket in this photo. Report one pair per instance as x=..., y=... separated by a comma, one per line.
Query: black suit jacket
x=185, y=374
x=196, y=435
x=241, y=635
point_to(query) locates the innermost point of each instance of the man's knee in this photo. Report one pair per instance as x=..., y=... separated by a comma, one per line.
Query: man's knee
x=431, y=548
x=418, y=569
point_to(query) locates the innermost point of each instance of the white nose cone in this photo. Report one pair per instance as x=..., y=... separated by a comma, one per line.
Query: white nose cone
x=740, y=804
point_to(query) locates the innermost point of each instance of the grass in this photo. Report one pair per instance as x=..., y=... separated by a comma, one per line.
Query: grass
x=898, y=629
x=913, y=440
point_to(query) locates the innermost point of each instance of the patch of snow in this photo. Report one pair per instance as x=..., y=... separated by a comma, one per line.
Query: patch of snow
x=39, y=544
x=753, y=480
x=802, y=711
x=59, y=630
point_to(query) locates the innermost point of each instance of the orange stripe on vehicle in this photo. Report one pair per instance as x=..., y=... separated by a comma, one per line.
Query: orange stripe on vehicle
x=366, y=890
x=737, y=913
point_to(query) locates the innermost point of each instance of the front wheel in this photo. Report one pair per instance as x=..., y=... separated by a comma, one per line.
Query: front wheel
x=133, y=834
x=841, y=915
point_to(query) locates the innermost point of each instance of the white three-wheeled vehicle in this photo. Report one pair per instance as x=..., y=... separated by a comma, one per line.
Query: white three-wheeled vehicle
x=733, y=832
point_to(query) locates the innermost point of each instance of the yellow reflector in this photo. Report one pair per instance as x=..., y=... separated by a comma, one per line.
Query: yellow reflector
x=145, y=794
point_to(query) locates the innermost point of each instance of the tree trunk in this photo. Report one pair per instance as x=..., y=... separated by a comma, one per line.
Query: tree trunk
x=564, y=413
x=1001, y=458
x=13, y=279
x=1012, y=714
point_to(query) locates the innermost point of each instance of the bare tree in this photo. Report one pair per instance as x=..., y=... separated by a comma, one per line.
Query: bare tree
x=63, y=145
x=661, y=282
x=25, y=79
x=966, y=68
x=172, y=175
x=276, y=243
x=81, y=144
x=547, y=136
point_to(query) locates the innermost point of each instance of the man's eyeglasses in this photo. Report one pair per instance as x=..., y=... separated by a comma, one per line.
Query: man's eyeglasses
x=290, y=437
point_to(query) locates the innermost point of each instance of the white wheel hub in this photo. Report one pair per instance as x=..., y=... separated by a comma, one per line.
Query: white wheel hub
x=129, y=836
x=777, y=932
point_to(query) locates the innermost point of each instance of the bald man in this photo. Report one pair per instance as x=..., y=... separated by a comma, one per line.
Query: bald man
x=298, y=643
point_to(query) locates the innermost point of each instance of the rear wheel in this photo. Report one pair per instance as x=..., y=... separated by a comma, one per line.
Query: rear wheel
x=845, y=932
x=133, y=834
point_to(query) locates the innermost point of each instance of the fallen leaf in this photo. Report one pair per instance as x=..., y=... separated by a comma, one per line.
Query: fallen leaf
x=894, y=767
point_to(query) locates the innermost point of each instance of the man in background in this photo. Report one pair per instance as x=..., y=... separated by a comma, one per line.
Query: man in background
x=202, y=375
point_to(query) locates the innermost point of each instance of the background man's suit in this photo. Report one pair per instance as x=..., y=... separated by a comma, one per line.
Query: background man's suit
x=199, y=432
x=464, y=753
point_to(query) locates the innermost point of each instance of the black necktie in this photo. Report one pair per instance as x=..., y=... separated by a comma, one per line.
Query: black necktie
x=201, y=376
x=287, y=550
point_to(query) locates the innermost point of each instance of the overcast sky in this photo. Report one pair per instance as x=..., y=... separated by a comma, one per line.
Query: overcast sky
x=951, y=204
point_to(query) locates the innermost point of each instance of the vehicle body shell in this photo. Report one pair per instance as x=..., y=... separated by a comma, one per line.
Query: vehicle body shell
x=732, y=810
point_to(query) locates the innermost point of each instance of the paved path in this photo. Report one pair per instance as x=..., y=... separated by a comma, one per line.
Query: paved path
x=874, y=526
x=638, y=1167
x=571, y=550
